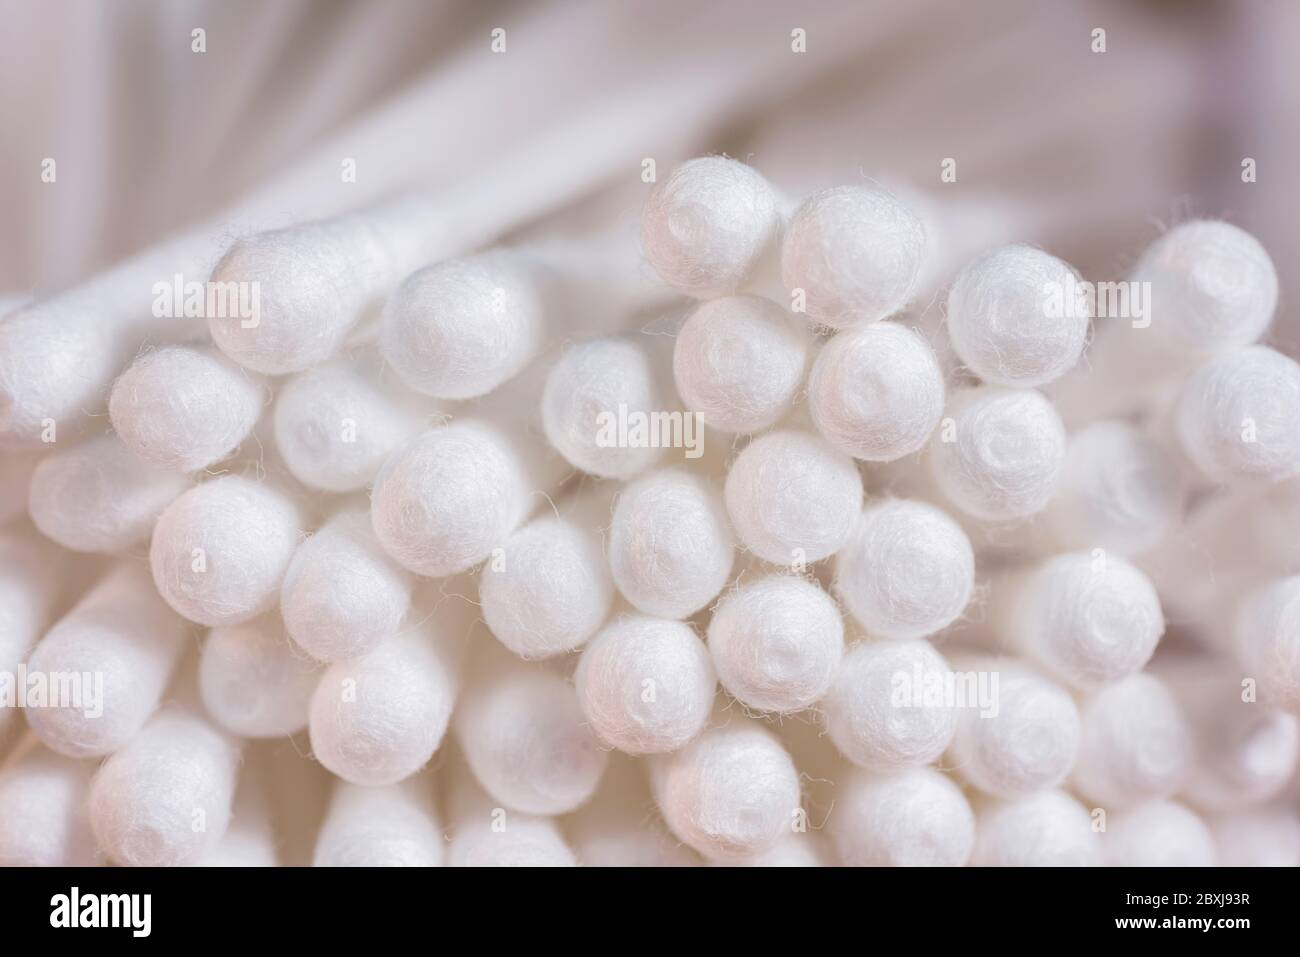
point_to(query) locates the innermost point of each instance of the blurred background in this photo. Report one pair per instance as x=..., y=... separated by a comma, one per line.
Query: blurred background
x=1087, y=153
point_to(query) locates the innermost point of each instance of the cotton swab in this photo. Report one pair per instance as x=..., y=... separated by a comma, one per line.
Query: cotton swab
x=392, y=826
x=486, y=836
x=123, y=644
x=1043, y=829
x=916, y=818
x=254, y=681
x=99, y=497
x=165, y=798
x=1158, y=834
x=184, y=409
x=342, y=594
x=646, y=684
x=1267, y=641
x=43, y=820
x=523, y=735
x=28, y=592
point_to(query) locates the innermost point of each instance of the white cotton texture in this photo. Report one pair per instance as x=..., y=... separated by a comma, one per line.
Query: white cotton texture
x=220, y=551
x=855, y=253
x=551, y=588
x=592, y=390
x=444, y=500
x=99, y=497
x=1135, y=744
x=776, y=642
x=335, y=425
x=1118, y=490
x=393, y=826
x=730, y=793
x=914, y=818
x=1043, y=829
x=342, y=594
x=124, y=644
x=183, y=409
x=670, y=545
x=16, y=470
x=1002, y=460
x=254, y=681
x=1088, y=620
x=524, y=736
x=907, y=571
x=1267, y=837
x=885, y=710
x=1158, y=834
x=1027, y=744
x=1267, y=641
x=28, y=590
x=521, y=840
x=646, y=684
x=1017, y=316
x=1236, y=416
x=738, y=362
x=43, y=814
x=876, y=392
x=146, y=799
x=462, y=327
x=792, y=498
x=378, y=719
x=1213, y=287
x=705, y=226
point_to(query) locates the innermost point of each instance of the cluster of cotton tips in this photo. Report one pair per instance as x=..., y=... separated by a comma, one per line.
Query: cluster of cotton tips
x=490, y=547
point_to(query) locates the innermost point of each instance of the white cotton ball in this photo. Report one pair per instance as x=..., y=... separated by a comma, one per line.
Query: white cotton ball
x=1158, y=834
x=43, y=819
x=792, y=498
x=16, y=470
x=254, y=682
x=1017, y=317
x=1268, y=641
x=706, y=226
x=590, y=391
x=776, y=642
x=342, y=594
x=184, y=409
x=524, y=736
x=378, y=719
x=730, y=793
x=876, y=392
x=1118, y=490
x=98, y=497
x=797, y=850
x=125, y=644
x=1213, y=286
x=1135, y=744
x=306, y=287
x=335, y=424
x=856, y=252
x=1044, y=829
x=1026, y=741
x=1087, y=621
x=670, y=547
x=915, y=818
x=146, y=798
x=646, y=684
x=738, y=362
x=1236, y=416
x=881, y=712
x=1258, y=838
x=461, y=327
x=907, y=571
x=1004, y=455
x=444, y=500
x=220, y=551
x=394, y=826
